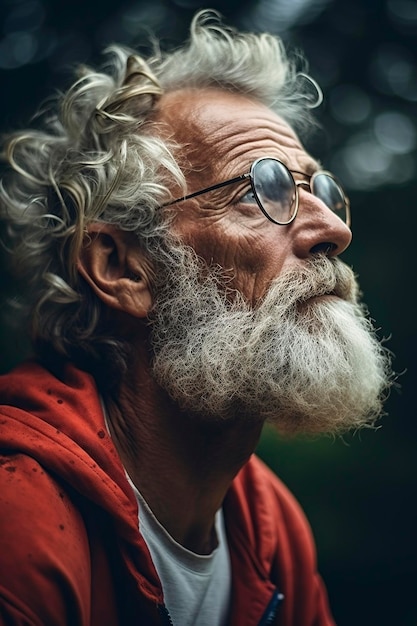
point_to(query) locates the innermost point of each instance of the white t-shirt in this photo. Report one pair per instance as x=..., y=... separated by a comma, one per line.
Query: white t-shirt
x=197, y=588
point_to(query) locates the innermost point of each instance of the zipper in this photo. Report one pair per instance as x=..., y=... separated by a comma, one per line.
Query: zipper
x=271, y=609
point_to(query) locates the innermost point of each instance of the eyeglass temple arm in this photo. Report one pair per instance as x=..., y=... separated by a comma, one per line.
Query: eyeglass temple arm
x=207, y=189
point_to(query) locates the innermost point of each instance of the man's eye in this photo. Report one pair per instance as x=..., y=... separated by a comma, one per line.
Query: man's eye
x=247, y=198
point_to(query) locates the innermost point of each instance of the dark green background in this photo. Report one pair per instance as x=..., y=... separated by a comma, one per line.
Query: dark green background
x=359, y=492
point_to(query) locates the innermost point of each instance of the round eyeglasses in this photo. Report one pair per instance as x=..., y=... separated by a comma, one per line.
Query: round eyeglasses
x=276, y=191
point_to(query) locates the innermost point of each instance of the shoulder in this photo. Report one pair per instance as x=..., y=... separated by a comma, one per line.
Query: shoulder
x=43, y=543
x=264, y=510
x=267, y=494
x=266, y=517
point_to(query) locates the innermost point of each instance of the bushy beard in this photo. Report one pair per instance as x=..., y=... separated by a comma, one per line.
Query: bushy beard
x=303, y=362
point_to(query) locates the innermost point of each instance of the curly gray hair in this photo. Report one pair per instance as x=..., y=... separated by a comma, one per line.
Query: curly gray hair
x=98, y=156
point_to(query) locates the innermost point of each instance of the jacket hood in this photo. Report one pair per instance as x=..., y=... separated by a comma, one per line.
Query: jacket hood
x=59, y=422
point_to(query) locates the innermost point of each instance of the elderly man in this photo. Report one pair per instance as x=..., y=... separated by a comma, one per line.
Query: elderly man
x=180, y=251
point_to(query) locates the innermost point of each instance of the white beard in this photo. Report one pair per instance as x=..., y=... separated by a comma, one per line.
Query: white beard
x=306, y=365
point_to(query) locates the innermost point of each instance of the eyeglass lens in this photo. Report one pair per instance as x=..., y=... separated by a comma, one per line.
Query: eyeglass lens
x=276, y=191
x=329, y=191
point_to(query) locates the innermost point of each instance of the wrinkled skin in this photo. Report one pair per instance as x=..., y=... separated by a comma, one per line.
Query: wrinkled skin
x=225, y=133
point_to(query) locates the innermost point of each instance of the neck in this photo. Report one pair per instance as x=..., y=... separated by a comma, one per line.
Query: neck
x=182, y=465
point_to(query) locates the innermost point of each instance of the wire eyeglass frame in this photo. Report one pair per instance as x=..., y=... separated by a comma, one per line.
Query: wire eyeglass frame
x=309, y=182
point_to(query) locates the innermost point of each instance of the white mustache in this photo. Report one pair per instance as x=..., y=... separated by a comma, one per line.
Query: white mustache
x=318, y=277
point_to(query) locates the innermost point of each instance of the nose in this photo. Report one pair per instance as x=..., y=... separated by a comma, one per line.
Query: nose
x=317, y=228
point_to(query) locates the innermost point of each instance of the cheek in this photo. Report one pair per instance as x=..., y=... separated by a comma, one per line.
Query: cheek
x=251, y=258
x=216, y=239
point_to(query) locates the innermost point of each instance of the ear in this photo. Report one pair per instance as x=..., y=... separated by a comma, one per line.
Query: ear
x=116, y=269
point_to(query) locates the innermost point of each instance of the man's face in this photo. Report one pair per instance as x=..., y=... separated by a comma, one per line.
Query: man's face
x=223, y=134
x=251, y=319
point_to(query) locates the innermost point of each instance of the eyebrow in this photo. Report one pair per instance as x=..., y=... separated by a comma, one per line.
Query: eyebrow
x=311, y=168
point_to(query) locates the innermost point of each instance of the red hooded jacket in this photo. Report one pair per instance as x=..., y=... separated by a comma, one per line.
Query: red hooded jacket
x=71, y=553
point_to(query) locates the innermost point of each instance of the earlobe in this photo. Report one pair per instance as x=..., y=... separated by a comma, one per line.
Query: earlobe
x=116, y=269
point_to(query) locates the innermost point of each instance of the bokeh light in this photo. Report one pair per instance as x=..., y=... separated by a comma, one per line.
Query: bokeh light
x=393, y=70
x=279, y=16
x=349, y=104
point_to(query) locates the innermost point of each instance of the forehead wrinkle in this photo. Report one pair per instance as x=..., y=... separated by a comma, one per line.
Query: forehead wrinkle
x=253, y=137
